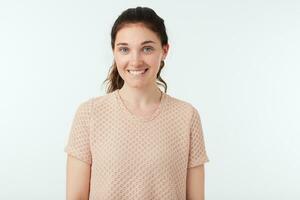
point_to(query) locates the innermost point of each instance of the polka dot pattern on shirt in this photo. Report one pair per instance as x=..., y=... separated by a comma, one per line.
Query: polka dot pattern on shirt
x=133, y=157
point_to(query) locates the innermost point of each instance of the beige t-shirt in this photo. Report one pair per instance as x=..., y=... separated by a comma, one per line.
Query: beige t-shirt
x=134, y=158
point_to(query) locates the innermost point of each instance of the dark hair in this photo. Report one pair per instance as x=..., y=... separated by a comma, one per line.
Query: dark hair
x=149, y=19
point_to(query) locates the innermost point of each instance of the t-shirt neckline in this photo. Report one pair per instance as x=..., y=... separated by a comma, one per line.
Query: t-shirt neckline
x=135, y=117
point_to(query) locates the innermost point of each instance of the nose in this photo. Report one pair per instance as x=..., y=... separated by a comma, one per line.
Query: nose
x=135, y=59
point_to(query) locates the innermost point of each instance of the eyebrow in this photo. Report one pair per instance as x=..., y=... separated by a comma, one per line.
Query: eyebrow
x=145, y=42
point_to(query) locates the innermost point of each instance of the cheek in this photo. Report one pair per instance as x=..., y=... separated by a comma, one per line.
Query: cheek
x=154, y=62
x=120, y=61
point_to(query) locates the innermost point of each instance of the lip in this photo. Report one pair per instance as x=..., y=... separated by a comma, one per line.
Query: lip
x=136, y=69
x=139, y=75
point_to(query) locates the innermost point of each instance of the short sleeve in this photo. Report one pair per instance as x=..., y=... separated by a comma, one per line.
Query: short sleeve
x=197, y=151
x=78, y=144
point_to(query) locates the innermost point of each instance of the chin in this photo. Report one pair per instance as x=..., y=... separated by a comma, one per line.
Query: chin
x=137, y=84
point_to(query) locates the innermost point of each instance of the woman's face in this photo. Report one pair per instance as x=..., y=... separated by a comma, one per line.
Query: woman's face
x=138, y=54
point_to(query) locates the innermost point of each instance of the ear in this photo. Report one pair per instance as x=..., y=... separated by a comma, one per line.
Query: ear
x=165, y=51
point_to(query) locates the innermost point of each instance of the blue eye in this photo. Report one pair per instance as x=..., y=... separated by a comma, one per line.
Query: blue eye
x=123, y=50
x=148, y=49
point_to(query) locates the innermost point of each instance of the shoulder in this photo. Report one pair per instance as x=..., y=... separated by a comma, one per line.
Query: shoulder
x=95, y=102
x=181, y=107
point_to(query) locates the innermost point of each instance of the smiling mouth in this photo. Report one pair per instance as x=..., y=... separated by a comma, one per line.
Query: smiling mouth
x=137, y=72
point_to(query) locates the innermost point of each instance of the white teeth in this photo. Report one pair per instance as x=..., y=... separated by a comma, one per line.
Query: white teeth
x=137, y=72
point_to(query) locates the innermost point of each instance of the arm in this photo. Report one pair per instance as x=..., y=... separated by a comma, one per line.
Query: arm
x=195, y=183
x=78, y=179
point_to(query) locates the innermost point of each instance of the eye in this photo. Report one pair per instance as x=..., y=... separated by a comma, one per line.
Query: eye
x=123, y=49
x=148, y=49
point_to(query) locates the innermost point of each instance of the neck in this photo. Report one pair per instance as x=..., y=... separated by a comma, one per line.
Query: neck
x=140, y=97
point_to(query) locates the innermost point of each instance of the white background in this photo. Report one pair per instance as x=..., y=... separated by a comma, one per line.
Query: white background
x=237, y=62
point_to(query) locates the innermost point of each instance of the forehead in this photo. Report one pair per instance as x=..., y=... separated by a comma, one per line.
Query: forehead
x=135, y=34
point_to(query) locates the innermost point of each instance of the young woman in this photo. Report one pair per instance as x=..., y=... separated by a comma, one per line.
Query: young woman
x=136, y=142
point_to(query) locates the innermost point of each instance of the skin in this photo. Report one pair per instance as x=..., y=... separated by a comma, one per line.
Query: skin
x=136, y=47
x=133, y=52
x=195, y=183
x=78, y=179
